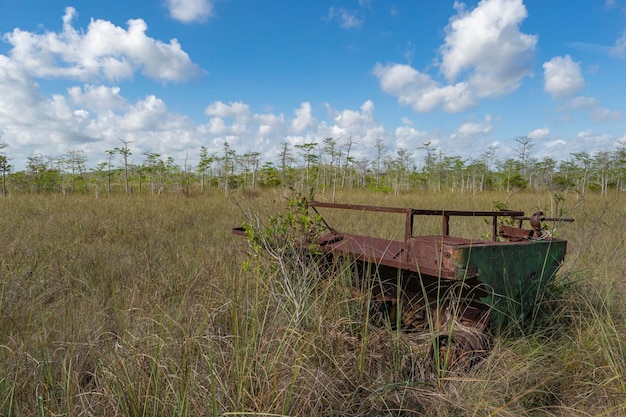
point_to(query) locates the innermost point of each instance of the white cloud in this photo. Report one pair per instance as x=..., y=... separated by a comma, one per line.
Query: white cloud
x=562, y=77
x=188, y=11
x=421, y=92
x=351, y=121
x=220, y=109
x=619, y=50
x=351, y=125
x=269, y=123
x=147, y=114
x=555, y=143
x=601, y=115
x=579, y=103
x=487, y=44
x=99, y=98
x=541, y=133
x=590, y=142
x=470, y=129
x=484, y=55
x=348, y=19
x=216, y=126
x=104, y=51
x=19, y=94
x=304, y=119
x=407, y=137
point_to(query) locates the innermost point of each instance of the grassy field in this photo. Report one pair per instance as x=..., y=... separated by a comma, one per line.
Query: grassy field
x=126, y=306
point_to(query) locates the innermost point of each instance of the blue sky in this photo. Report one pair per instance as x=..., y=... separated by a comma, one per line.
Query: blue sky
x=170, y=76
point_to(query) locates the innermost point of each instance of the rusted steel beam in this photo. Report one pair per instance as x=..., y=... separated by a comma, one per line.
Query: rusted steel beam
x=445, y=220
x=421, y=212
x=547, y=219
x=361, y=207
x=410, y=213
x=408, y=227
x=468, y=213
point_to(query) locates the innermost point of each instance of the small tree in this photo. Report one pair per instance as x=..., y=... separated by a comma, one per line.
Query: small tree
x=286, y=159
x=125, y=152
x=310, y=158
x=380, y=151
x=5, y=168
x=205, y=165
x=523, y=149
x=110, y=153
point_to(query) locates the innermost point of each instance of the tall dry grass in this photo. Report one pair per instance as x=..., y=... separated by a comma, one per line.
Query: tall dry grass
x=127, y=306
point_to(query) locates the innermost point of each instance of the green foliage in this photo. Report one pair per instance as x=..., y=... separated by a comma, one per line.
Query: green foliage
x=496, y=206
x=327, y=166
x=295, y=230
x=517, y=181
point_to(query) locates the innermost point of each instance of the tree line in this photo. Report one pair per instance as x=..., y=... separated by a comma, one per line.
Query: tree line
x=326, y=166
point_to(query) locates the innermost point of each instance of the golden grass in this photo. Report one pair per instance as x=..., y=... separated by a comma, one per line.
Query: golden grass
x=139, y=306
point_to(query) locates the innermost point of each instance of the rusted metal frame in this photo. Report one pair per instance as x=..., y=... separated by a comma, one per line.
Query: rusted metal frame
x=410, y=213
x=445, y=225
x=405, y=266
x=408, y=227
x=547, y=219
x=445, y=218
x=468, y=213
x=425, y=212
x=361, y=207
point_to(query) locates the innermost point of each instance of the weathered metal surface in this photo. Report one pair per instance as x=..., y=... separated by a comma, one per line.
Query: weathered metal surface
x=505, y=277
x=411, y=213
x=452, y=285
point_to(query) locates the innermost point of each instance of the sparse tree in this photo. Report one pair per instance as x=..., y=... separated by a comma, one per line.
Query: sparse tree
x=286, y=160
x=523, y=149
x=227, y=167
x=5, y=168
x=310, y=158
x=76, y=160
x=125, y=152
x=205, y=166
x=111, y=154
x=348, y=161
x=380, y=151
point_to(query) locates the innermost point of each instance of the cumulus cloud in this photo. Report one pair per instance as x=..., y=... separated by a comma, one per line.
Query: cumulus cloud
x=420, y=91
x=99, y=98
x=233, y=109
x=29, y=119
x=562, y=77
x=590, y=141
x=484, y=55
x=541, y=133
x=19, y=94
x=269, y=123
x=352, y=125
x=487, y=44
x=188, y=11
x=407, y=137
x=104, y=51
x=555, y=144
x=304, y=119
x=472, y=128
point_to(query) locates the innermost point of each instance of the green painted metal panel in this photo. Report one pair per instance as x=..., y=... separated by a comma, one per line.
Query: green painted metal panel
x=515, y=275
